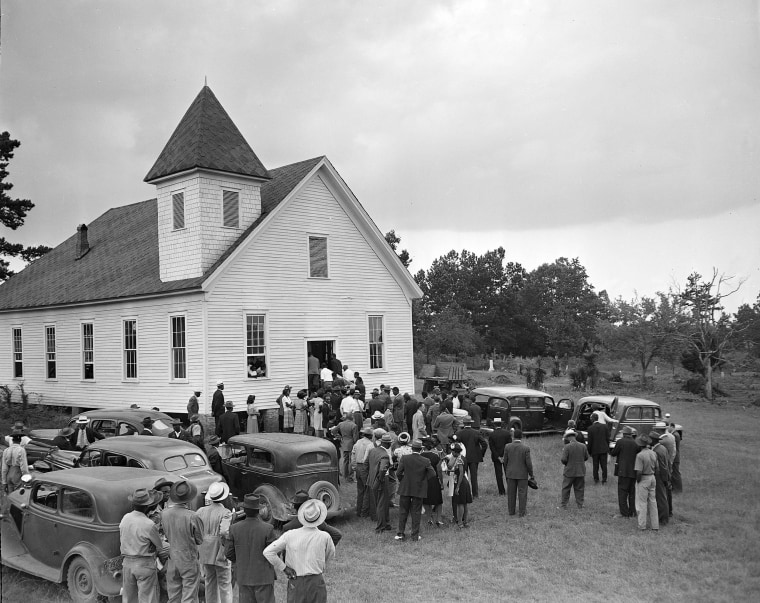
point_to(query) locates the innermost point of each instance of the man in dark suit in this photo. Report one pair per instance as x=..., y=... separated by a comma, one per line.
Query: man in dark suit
x=498, y=439
x=217, y=403
x=379, y=460
x=574, y=457
x=228, y=424
x=625, y=452
x=255, y=575
x=413, y=473
x=598, y=447
x=518, y=468
x=475, y=412
x=470, y=439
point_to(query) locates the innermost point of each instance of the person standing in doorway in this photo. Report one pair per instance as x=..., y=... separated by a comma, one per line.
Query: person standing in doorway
x=312, y=363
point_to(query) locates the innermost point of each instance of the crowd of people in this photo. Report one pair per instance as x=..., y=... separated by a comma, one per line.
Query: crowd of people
x=163, y=539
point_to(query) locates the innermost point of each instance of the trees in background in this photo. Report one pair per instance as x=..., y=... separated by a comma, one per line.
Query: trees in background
x=643, y=329
x=551, y=310
x=13, y=213
x=707, y=332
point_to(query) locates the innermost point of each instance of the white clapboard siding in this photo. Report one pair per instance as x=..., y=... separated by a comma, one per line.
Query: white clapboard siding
x=108, y=389
x=271, y=276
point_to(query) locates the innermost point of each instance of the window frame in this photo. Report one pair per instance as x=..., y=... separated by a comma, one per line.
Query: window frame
x=51, y=357
x=173, y=376
x=246, y=354
x=383, y=365
x=18, y=352
x=310, y=271
x=125, y=351
x=229, y=189
x=83, y=338
x=175, y=195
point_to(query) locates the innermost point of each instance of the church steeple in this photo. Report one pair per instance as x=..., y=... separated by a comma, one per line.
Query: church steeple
x=207, y=138
x=208, y=188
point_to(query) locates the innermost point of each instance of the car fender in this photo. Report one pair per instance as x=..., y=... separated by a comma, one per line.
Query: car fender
x=282, y=508
x=107, y=582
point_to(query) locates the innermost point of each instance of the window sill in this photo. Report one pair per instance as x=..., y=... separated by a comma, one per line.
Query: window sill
x=258, y=378
x=377, y=370
x=130, y=381
x=87, y=381
x=179, y=381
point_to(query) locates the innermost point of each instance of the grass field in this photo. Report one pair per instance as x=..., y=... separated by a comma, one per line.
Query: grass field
x=709, y=552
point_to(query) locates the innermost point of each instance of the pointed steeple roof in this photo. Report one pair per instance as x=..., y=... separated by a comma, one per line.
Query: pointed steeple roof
x=207, y=138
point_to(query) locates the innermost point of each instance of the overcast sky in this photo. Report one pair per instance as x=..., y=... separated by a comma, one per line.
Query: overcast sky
x=624, y=133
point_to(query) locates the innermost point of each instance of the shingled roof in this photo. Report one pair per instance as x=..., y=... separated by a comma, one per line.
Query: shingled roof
x=206, y=137
x=123, y=257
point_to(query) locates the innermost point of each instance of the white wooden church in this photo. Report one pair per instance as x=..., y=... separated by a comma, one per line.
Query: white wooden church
x=233, y=272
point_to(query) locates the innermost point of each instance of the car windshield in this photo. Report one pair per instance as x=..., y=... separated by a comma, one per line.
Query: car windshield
x=180, y=462
x=160, y=427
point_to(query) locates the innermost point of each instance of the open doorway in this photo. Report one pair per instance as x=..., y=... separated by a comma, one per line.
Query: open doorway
x=322, y=349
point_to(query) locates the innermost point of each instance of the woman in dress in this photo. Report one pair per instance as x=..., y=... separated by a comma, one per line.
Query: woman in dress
x=252, y=423
x=286, y=406
x=300, y=421
x=315, y=404
x=457, y=485
x=434, y=499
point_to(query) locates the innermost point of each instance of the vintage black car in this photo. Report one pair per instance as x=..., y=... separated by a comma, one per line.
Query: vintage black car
x=640, y=414
x=64, y=527
x=534, y=411
x=182, y=459
x=276, y=465
x=111, y=423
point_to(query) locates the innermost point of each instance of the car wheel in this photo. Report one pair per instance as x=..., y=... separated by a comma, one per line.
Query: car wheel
x=81, y=584
x=265, y=508
x=327, y=493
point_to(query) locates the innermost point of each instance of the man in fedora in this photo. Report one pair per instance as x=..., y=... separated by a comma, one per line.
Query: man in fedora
x=18, y=428
x=518, y=468
x=177, y=432
x=217, y=403
x=646, y=486
x=497, y=441
x=140, y=542
x=598, y=447
x=228, y=424
x=216, y=519
x=214, y=458
x=255, y=576
x=662, y=478
x=574, y=457
x=184, y=531
x=625, y=452
x=84, y=434
x=193, y=407
x=413, y=473
x=147, y=424
x=299, y=499
x=307, y=551
x=195, y=431
x=359, y=455
x=471, y=440
x=63, y=439
x=14, y=464
x=379, y=463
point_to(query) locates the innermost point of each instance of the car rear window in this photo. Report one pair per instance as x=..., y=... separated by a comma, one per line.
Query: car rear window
x=77, y=503
x=499, y=403
x=313, y=458
x=179, y=462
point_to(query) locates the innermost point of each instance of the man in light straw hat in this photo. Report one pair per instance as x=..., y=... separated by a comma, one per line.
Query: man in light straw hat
x=140, y=541
x=184, y=531
x=248, y=539
x=646, y=486
x=307, y=550
x=216, y=518
x=84, y=435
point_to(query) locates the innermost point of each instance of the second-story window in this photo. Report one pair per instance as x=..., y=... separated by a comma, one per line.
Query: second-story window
x=231, y=209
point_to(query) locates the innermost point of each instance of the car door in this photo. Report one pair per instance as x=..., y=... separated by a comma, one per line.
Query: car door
x=563, y=413
x=258, y=469
x=40, y=532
